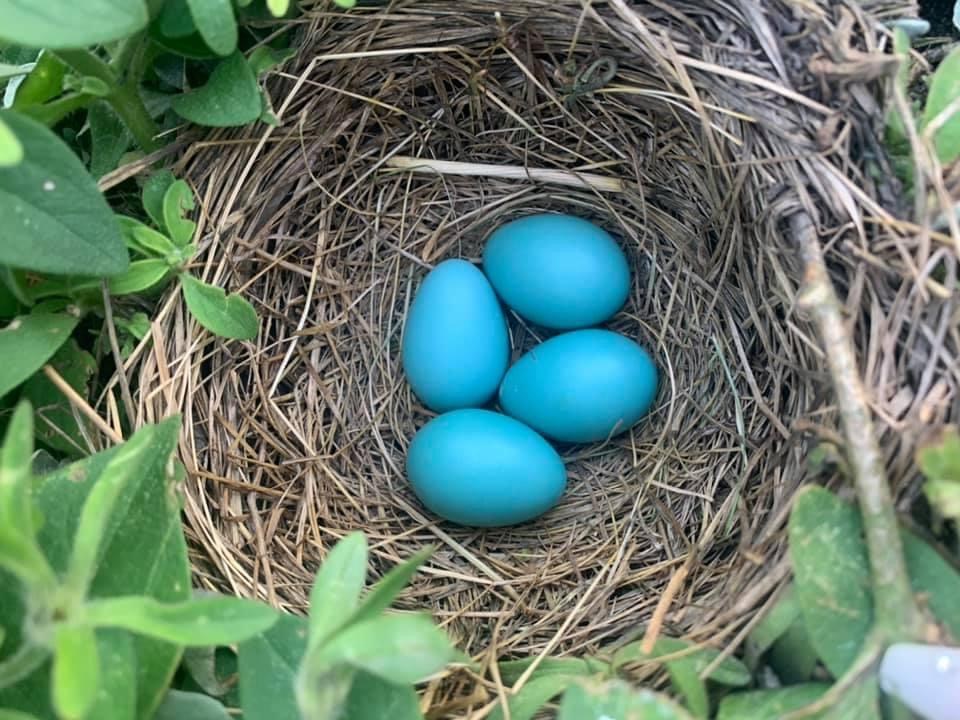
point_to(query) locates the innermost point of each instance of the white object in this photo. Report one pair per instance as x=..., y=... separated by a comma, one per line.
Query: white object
x=925, y=678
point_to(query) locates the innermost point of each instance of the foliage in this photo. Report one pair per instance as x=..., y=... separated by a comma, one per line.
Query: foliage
x=940, y=462
x=96, y=608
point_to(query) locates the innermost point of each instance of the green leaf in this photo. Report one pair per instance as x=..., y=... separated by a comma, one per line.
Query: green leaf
x=57, y=425
x=792, y=656
x=15, y=715
x=178, y=705
x=231, y=96
x=97, y=510
x=201, y=663
x=278, y=8
x=56, y=219
x=57, y=24
x=831, y=576
x=76, y=671
x=202, y=621
x=109, y=139
x=229, y=316
x=265, y=58
x=773, y=625
x=940, y=462
x=862, y=700
x=28, y=342
x=944, y=89
x=154, y=190
x=322, y=690
x=145, y=240
x=144, y=548
x=177, y=202
x=176, y=20
x=618, y=701
x=117, y=693
x=386, y=590
x=532, y=696
x=216, y=24
x=935, y=579
x=371, y=698
x=141, y=275
x=347, y=4
x=11, y=151
x=268, y=669
x=337, y=587
x=770, y=704
x=19, y=551
x=729, y=671
x=397, y=648
x=511, y=670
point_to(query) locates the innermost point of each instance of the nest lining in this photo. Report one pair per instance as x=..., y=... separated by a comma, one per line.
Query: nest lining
x=703, y=138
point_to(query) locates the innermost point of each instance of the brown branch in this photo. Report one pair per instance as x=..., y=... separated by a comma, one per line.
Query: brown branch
x=897, y=616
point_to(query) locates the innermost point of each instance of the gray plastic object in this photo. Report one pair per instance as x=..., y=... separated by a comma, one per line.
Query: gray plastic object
x=925, y=678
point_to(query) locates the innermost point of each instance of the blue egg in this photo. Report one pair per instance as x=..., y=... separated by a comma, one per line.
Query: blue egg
x=581, y=386
x=484, y=469
x=559, y=271
x=455, y=344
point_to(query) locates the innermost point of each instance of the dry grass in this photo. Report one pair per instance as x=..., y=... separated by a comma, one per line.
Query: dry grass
x=713, y=130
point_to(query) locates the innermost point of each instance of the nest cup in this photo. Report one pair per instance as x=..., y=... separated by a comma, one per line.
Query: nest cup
x=691, y=154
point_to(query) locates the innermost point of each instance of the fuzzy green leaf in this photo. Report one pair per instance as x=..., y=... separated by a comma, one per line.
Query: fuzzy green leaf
x=792, y=656
x=56, y=220
x=532, y=696
x=198, y=622
x=774, y=624
x=371, y=698
x=11, y=150
x=140, y=276
x=940, y=462
x=117, y=693
x=337, y=587
x=770, y=704
x=216, y=24
x=229, y=316
x=617, y=700
x=28, y=342
x=76, y=671
x=397, y=648
x=154, y=190
x=386, y=590
x=177, y=202
x=511, y=670
x=944, y=89
x=265, y=58
x=268, y=668
x=57, y=24
x=144, y=551
x=935, y=579
x=97, y=511
x=831, y=576
x=179, y=705
x=278, y=8
x=231, y=96
x=109, y=139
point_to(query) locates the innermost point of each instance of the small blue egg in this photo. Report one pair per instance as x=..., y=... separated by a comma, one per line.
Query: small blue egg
x=484, y=469
x=558, y=271
x=581, y=386
x=455, y=344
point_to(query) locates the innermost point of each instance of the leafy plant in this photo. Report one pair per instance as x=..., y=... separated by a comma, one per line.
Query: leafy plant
x=96, y=607
x=940, y=462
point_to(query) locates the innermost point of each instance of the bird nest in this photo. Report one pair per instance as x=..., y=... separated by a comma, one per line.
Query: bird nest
x=690, y=131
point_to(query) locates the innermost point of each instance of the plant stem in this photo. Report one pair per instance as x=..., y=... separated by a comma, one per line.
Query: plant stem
x=124, y=99
x=897, y=615
x=53, y=112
